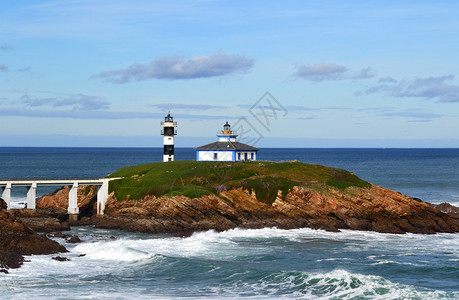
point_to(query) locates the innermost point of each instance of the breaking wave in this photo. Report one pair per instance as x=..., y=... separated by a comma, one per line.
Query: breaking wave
x=259, y=263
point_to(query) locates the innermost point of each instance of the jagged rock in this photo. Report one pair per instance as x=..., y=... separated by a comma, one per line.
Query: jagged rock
x=447, y=208
x=9, y=259
x=375, y=209
x=74, y=239
x=59, y=234
x=61, y=258
x=51, y=213
x=42, y=220
x=59, y=201
x=17, y=240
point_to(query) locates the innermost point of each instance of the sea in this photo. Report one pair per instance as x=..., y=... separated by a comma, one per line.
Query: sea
x=267, y=263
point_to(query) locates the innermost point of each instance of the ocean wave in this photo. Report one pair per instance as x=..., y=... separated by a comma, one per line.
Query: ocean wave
x=230, y=244
x=337, y=284
x=232, y=264
x=92, y=282
x=121, y=250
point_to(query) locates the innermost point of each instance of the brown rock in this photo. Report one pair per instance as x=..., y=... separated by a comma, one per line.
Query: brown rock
x=59, y=234
x=447, y=208
x=59, y=201
x=16, y=240
x=61, y=258
x=43, y=220
x=375, y=209
x=74, y=239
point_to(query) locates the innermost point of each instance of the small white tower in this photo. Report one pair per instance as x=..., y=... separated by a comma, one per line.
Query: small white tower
x=226, y=135
x=168, y=132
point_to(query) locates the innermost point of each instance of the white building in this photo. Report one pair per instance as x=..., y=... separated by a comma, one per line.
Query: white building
x=226, y=148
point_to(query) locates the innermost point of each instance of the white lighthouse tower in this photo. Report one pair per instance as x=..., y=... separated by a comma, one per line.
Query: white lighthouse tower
x=168, y=132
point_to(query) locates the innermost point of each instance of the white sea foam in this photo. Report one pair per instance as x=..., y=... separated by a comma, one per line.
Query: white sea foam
x=140, y=249
x=120, y=250
x=305, y=234
x=337, y=284
x=18, y=202
x=454, y=203
x=346, y=285
x=112, y=256
x=106, y=258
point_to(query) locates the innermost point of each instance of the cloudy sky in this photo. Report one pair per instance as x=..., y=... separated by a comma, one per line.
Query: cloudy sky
x=284, y=73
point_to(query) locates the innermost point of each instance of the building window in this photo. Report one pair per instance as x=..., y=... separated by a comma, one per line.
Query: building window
x=215, y=155
x=239, y=156
x=251, y=156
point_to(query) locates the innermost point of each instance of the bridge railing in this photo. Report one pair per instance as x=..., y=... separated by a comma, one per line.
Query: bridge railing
x=48, y=178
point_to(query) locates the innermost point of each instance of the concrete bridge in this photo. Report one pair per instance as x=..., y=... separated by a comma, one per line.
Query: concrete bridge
x=73, y=210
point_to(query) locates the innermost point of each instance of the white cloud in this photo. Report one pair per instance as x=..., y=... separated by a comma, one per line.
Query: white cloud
x=175, y=67
x=5, y=47
x=387, y=79
x=320, y=72
x=101, y=114
x=330, y=71
x=427, y=88
x=185, y=106
x=412, y=114
x=77, y=101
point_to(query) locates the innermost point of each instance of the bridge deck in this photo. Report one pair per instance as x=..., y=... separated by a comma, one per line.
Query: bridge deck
x=57, y=181
x=73, y=183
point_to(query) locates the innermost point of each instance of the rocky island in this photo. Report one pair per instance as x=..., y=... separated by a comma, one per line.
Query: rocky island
x=185, y=196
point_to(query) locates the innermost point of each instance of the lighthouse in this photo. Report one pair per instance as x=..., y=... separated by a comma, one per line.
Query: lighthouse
x=168, y=132
x=226, y=148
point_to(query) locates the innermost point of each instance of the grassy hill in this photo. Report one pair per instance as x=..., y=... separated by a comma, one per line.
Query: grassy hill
x=194, y=179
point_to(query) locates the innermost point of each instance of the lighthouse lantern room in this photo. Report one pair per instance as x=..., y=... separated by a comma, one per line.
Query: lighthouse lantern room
x=168, y=132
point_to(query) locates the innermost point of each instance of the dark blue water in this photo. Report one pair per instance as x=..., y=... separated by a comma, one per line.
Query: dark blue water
x=264, y=263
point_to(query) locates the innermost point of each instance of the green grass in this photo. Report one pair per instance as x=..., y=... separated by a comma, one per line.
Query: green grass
x=342, y=179
x=266, y=188
x=86, y=190
x=194, y=179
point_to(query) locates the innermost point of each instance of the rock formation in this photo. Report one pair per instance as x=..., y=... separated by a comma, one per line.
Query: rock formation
x=17, y=240
x=375, y=209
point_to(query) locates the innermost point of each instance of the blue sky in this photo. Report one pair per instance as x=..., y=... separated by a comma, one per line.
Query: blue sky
x=337, y=73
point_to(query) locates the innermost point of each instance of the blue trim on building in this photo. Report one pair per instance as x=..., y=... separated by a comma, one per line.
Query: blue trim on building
x=217, y=150
x=234, y=156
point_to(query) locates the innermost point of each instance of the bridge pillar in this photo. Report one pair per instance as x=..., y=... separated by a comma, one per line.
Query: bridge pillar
x=73, y=209
x=102, y=196
x=6, y=194
x=31, y=195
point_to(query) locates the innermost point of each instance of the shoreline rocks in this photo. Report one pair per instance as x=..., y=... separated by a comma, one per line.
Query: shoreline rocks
x=370, y=209
x=17, y=240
